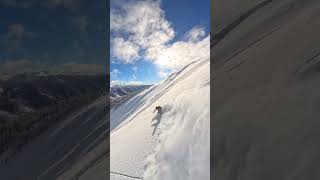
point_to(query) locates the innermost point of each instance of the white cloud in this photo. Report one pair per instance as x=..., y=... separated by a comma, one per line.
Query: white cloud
x=179, y=53
x=146, y=25
x=127, y=51
x=144, y=21
x=118, y=82
x=163, y=74
x=195, y=34
x=135, y=83
x=115, y=82
x=142, y=26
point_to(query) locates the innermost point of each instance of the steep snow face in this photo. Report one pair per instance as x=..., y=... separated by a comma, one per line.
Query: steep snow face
x=72, y=149
x=174, y=144
x=266, y=94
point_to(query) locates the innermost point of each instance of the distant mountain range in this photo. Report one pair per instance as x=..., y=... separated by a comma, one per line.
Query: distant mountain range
x=121, y=93
x=121, y=90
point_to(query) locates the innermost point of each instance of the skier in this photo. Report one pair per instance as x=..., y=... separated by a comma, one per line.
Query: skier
x=159, y=108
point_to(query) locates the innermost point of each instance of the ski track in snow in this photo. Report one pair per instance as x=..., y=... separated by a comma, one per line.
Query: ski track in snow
x=128, y=176
x=174, y=145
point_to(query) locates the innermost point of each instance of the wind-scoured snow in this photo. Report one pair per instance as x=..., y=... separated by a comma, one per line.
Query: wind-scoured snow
x=171, y=145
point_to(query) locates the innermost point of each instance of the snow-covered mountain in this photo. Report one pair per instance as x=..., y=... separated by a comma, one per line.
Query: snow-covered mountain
x=121, y=90
x=171, y=145
x=121, y=93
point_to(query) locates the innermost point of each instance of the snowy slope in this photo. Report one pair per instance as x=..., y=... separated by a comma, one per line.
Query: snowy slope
x=172, y=145
x=266, y=74
x=70, y=150
x=121, y=93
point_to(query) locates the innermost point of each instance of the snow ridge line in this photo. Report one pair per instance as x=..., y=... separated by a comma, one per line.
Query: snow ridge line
x=134, y=177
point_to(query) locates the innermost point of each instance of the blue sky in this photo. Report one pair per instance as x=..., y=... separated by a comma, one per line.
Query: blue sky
x=153, y=55
x=53, y=33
